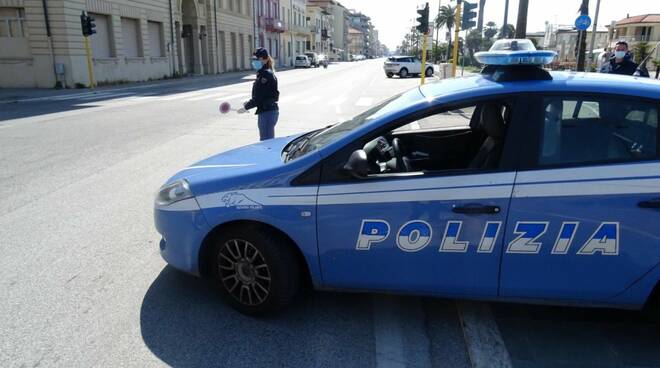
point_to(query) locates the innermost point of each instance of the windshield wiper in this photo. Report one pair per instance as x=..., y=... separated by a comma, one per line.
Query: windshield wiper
x=297, y=148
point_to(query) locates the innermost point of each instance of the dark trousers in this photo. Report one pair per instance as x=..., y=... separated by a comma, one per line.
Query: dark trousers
x=266, y=122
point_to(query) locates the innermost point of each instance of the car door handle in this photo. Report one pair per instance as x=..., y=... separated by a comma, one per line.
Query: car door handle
x=471, y=209
x=652, y=203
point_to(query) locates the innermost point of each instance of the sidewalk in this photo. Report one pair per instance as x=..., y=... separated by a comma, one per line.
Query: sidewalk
x=17, y=95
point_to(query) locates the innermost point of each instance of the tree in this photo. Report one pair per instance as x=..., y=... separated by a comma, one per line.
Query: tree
x=480, y=19
x=640, y=51
x=445, y=18
x=473, y=42
x=508, y=31
x=535, y=43
x=491, y=30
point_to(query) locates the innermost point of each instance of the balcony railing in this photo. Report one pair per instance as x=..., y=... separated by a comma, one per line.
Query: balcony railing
x=274, y=25
x=634, y=38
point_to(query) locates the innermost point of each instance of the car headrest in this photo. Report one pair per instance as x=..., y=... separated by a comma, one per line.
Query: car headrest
x=475, y=120
x=491, y=120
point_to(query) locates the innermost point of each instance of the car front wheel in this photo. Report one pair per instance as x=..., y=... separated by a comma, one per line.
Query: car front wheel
x=403, y=73
x=255, y=270
x=429, y=72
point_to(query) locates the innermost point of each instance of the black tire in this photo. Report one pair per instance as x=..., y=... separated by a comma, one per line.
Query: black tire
x=389, y=75
x=403, y=73
x=429, y=72
x=255, y=283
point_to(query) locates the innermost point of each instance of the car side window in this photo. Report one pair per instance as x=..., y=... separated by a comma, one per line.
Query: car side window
x=582, y=130
x=466, y=138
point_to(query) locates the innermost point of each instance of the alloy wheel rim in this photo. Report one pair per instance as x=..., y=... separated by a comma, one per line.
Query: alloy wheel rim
x=244, y=272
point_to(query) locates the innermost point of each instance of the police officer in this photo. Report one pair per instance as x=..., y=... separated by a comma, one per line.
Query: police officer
x=264, y=94
x=622, y=62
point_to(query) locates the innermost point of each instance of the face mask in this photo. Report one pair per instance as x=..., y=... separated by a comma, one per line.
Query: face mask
x=256, y=64
x=619, y=54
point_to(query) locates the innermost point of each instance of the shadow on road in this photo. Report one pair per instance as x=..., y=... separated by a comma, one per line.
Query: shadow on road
x=66, y=100
x=186, y=324
x=545, y=336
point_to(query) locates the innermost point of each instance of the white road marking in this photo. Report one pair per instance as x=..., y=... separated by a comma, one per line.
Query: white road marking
x=337, y=100
x=288, y=98
x=482, y=336
x=205, y=96
x=231, y=97
x=179, y=96
x=399, y=332
x=365, y=101
x=310, y=100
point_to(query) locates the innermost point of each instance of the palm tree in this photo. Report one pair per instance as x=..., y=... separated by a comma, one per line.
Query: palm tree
x=445, y=18
x=491, y=30
x=480, y=19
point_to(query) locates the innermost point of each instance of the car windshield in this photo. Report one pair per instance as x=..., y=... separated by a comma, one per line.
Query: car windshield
x=315, y=140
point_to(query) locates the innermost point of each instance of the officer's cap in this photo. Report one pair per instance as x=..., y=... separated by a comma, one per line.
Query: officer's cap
x=261, y=53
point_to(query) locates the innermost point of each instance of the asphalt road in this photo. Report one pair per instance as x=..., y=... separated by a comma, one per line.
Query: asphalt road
x=82, y=283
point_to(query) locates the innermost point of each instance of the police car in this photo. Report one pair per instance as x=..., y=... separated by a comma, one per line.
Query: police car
x=516, y=184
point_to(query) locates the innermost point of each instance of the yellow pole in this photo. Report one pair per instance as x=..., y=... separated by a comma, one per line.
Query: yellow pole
x=457, y=27
x=90, y=67
x=423, y=59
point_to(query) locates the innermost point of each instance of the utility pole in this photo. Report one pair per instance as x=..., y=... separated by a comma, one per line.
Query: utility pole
x=593, y=34
x=457, y=26
x=504, y=34
x=437, y=29
x=582, y=38
x=521, y=24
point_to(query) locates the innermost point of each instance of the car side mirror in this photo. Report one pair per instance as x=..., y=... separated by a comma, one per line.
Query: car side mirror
x=358, y=164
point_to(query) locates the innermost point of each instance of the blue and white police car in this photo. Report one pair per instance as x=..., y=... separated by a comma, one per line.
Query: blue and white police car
x=517, y=184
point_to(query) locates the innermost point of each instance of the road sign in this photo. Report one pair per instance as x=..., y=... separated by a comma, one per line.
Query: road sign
x=582, y=22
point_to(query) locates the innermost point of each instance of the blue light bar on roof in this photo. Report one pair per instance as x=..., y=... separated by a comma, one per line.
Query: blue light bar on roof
x=514, y=52
x=539, y=57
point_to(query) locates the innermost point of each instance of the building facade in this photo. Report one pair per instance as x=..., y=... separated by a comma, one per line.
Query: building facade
x=41, y=42
x=269, y=27
x=635, y=30
x=317, y=18
x=299, y=27
x=363, y=24
x=134, y=41
x=355, y=42
x=563, y=39
x=336, y=28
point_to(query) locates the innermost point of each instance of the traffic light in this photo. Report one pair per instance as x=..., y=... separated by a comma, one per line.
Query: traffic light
x=423, y=19
x=468, y=15
x=87, y=24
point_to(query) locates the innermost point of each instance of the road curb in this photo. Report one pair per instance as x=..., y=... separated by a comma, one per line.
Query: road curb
x=484, y=342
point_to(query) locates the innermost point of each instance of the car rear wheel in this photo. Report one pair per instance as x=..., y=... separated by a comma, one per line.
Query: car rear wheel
x=429, y=72
x=255, y=270
x=403, y=72
x=389, y=75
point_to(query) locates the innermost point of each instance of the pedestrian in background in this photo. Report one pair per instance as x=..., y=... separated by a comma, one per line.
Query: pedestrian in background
x=622, y=62
x=264, y=94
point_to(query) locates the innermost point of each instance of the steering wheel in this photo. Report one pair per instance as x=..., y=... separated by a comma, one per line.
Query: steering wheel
x=402, y=162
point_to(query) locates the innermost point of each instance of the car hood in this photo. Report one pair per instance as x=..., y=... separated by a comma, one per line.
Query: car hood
x=235, y=167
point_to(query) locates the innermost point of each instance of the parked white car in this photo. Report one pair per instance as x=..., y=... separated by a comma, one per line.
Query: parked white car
x=404, y=66
x=302, y=61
